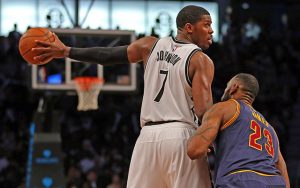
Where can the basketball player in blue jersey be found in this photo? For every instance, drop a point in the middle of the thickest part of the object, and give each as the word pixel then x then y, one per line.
pixel 177 92
pixel 247 147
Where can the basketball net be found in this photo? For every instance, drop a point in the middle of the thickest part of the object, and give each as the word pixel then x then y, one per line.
pixel 88 89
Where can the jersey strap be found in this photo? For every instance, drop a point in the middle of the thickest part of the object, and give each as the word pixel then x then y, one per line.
pixel 235 116
pixel 187 64
pixel 150 54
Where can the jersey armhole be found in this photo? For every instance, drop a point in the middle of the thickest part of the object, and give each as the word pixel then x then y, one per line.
pixel 145 65
pixel 234 117
pixel 187 65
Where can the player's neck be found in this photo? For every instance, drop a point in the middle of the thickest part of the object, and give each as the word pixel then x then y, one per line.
pixel 246 100
pixel 183 37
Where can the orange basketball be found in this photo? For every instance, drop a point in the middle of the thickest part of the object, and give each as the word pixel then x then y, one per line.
pixel 27 42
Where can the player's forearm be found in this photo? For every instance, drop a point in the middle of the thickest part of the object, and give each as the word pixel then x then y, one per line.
pixel 285 175
pixel 283 170
pixel 100 55
pixel 195 149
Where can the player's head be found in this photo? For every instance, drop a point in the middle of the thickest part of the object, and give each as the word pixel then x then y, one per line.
pixel 242 85
pixel 195 23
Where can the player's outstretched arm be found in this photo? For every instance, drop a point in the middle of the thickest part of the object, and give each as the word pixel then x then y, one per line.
pixel 135 52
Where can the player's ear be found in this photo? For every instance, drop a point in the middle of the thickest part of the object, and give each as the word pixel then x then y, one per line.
pixel 189 28
pixel 233 89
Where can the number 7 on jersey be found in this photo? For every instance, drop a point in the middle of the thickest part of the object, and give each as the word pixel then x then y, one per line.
pixel 161 91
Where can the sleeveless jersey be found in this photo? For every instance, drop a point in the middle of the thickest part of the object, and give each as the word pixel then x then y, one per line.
pixel 249 144
pixel 167 86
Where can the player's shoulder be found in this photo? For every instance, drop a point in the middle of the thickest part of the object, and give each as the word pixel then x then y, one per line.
pixel 144 45
pixel 147 42
pixel 226 108
pixel 201 55
pixel 231 103
pixel 201 59
pixel 149 39
pixel 229 110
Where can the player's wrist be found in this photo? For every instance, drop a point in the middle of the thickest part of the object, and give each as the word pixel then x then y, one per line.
pixel 67 51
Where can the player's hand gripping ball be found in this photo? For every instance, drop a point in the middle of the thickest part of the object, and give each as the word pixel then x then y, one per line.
pixel 28 41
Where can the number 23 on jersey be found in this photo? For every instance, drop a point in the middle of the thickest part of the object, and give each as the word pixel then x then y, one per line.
pixel 257 135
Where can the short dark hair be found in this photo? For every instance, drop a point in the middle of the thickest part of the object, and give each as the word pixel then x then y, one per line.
pixel 250 83
pixel 190 14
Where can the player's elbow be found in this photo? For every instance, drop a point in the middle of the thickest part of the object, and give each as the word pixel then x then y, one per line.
pixel 195 153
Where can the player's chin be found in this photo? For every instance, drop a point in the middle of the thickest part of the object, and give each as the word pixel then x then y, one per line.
pixel 205 46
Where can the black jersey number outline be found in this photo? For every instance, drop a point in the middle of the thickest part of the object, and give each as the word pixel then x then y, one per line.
pixel 161 91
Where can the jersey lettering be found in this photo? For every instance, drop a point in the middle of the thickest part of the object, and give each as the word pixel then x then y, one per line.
pixel 168 57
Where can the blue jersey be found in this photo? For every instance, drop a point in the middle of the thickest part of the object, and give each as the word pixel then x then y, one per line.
pixel 246 143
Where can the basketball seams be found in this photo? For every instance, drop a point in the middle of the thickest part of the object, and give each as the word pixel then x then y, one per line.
pixel 43 35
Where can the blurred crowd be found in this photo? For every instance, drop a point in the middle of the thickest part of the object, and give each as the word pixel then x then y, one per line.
pixel 97 145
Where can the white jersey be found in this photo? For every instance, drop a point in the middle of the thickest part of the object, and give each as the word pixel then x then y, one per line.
pixel 167 86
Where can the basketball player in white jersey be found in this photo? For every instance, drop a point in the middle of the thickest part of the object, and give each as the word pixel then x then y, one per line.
pixel 177 92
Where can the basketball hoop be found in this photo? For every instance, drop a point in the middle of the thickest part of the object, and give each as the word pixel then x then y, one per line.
pixel 88 89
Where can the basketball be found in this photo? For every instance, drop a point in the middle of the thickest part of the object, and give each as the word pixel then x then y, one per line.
pixel 27 42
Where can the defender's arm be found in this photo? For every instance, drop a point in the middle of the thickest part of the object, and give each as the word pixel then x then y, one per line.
pixel 281 166
pixel 207 132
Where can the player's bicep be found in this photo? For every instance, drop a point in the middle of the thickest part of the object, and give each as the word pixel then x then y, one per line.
pixel 202 77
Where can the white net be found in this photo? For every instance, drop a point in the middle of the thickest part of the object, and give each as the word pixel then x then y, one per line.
pixel 88 89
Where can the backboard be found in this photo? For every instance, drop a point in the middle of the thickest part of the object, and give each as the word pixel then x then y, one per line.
pixel 59 74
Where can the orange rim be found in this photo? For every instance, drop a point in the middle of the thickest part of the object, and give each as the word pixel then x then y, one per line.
pixel 85 83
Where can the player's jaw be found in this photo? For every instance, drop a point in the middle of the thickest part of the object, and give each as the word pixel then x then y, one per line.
pixel 205 42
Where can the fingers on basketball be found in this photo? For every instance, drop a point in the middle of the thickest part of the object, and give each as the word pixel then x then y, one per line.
pixel 28 41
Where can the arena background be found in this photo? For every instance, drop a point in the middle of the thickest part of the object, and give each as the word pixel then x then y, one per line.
pixel 46 142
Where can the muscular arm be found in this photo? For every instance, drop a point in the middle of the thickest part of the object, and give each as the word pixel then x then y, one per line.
pixel 207 132
pixel 135 52
pixel 201 72
pixel 282 168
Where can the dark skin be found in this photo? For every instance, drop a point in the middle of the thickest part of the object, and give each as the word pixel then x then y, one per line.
pixel 201 69
pixel 216 117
